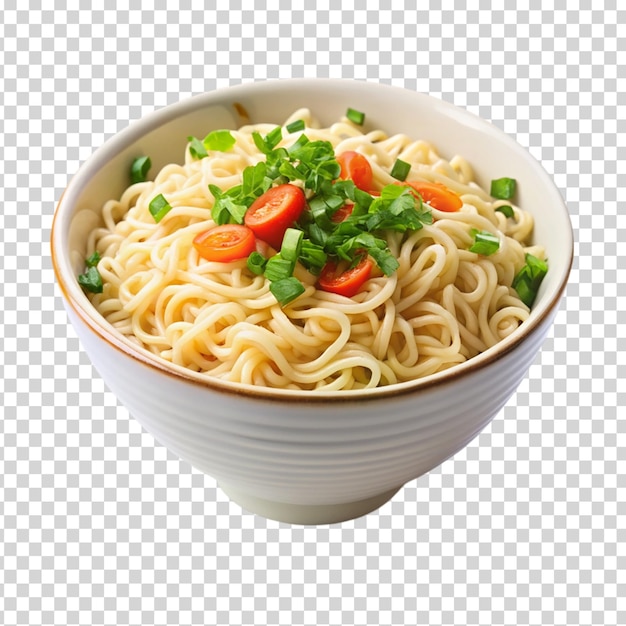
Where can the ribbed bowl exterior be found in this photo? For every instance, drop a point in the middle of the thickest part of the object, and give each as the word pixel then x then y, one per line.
pixel 317 453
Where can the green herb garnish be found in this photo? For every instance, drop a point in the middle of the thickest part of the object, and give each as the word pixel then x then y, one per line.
pixel 91 279
pixel 506 210
pixel 528 279
pixel 400 169
pixel 296 126
pixel 93 259
pixel 503 188
pixel 278 268
pixel 219 140
pixel 356 117
pixel 256 263
pixel 286 289
pixel 485 243
pixel 270 141
pixel 292 244
pixel 196 148
pixel 159 207
pixel 316 239
pixel 139 169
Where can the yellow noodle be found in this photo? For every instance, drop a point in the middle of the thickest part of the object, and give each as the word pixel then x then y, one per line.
pixel 442 306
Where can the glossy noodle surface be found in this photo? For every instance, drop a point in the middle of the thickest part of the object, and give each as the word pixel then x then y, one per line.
pixel 442 306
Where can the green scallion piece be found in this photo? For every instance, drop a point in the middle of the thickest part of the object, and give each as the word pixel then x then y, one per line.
pixel 298 144
pixel 312 256
pixel 219 140
pixel 256 263
pixel 139 169
pixel 506 210
pixel 286 290
pixel 485 243
pixel 93 259
pixel 528 279
pixel 400 169
pixel 294 127
pixel 159 207
pixel 274 137
pixel 91 280
pixel 292 244
pixel 356 117
pixel 196 148
pixel 278 268
pixel 503 188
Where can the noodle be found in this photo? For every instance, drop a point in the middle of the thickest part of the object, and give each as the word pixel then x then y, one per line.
pixel 442 306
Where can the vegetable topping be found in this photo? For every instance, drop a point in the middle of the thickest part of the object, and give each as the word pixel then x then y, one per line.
pixel 273 212
pixel 320 210
pixel 139 169
pixel 225 243
pixel 345 280
pixel 91 279
pixel 528 279
pixel 437 196
pixel 503 188
pixel 356 117
pixel 356 167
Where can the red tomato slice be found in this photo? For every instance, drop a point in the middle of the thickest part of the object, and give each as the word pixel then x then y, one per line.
pixel 342 213
pixel 347 282
pixel 356 167
pixel 437 195
pixel 272 213
pixel 225 243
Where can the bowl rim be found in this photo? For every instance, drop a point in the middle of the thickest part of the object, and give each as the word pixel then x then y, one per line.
pixel 80 305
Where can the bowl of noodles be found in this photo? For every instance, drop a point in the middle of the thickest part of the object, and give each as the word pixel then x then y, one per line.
pixel 314 291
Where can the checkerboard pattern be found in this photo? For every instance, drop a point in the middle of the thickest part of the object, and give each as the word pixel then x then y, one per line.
pixel 101 525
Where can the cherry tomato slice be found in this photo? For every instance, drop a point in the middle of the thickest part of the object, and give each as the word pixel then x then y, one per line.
pixel 356 167
pixel 438 196
pixel 272 213
pixel 342 213
pixel 225 243
pixel 347 282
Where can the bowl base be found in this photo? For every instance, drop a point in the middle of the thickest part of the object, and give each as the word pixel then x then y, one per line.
pixel 306 514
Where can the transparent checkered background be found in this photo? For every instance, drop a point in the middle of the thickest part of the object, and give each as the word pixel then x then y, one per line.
pixel 99 525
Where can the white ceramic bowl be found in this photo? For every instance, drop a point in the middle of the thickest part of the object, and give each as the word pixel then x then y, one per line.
pixel 307 457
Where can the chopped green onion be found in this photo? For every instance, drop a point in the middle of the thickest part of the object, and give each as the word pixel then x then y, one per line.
pixel 319 211
pixel 255 181
pixel 270 141
pixel 400 169
pixel 216 191
pixel 286 289
pixel 312 256
pixel 485 243
pixel 299 143
pixel 274 137
pixel 294 127
pixel 278 268
pixel 256 263
pixel 233 211
pixel 196 148
pixel 91 280
pixel 356 117
pixel 139 169
pixel 292 244
pixel 506 210
pixel 219 140
pixel 385 260
pixel 159 208
pixel 528 279
pixel 93 260
pixel 503 188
